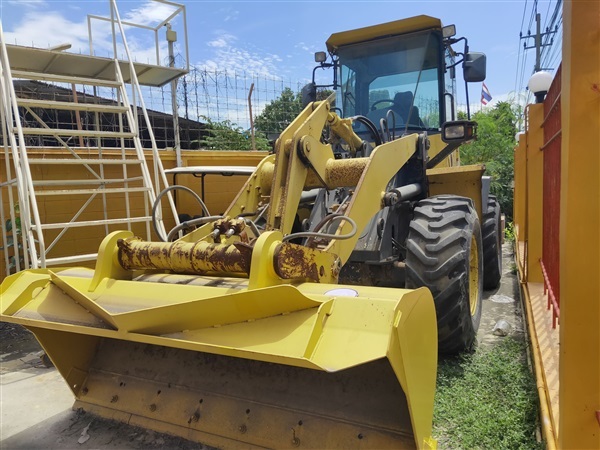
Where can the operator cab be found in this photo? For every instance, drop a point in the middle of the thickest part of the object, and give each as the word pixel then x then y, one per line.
pixel 393 82
pixel 398 75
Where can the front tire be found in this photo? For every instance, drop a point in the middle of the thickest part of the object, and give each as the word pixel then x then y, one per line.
pixel 492 245
pixel 444 254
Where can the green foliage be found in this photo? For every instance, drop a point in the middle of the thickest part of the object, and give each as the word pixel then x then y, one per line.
pixel 226 135
pixel 279 113
pixel 509 232
pixel 487 400
pixel 496 129
pixel 6 247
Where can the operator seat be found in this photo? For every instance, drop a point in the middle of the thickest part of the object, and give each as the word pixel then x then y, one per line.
pixel 401 106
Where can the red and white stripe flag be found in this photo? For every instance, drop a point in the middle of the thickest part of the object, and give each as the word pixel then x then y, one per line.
pixel 486 97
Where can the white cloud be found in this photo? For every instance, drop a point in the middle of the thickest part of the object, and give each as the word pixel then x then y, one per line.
pixel 220 42
pixel 224 40
pixel 229 57
pixel 33 30
pixel 28 3
pixel 233 59
pixel 228 14
pixel 306 47
pixel 149 13
pixel 233 15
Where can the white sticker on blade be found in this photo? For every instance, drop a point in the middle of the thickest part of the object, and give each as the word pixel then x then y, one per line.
pixel 342 292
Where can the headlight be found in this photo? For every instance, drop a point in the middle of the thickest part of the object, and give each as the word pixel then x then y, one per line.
pixel 461 130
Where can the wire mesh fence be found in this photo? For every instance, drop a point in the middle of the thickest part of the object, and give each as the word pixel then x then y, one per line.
pixel 214 109
pixel 224 101
pixel 217 110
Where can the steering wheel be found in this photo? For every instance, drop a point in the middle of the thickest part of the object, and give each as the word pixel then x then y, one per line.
pixel 389 100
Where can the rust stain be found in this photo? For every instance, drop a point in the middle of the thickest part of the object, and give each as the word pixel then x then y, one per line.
pixel 345 172
pixel 184 257
pixel 294 261
pixel 227 224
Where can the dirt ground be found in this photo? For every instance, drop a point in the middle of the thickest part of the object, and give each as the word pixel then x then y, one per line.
pixel 35 408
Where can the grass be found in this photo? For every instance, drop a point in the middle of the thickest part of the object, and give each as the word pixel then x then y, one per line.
pixel 487 400
pixel 509 232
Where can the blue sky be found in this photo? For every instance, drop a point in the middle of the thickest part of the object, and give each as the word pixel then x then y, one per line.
pixel 279 38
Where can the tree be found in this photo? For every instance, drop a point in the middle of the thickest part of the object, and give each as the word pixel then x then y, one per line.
pixel 280 112
pixel 496 129
pixel 226 135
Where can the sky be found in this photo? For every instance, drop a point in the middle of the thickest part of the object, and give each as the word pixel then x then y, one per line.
pixel 279 38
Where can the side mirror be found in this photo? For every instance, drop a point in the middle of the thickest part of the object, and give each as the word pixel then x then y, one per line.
pixel 458 131
pixel 309 94
pixel 474 67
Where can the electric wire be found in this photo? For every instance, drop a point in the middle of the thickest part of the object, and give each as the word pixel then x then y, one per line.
pixel 551 49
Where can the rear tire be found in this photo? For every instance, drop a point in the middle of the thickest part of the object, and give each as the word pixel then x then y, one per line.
pixel 444 254
pixel 492 245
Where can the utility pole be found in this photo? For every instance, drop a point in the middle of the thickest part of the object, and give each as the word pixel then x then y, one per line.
pixel 537 39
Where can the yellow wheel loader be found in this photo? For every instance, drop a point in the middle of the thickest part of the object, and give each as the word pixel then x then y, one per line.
pixel 304 316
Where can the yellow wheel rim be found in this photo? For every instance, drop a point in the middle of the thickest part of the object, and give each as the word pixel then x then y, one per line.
pixel 473 276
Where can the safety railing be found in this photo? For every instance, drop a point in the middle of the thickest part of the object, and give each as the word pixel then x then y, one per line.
pixel 178 10
pixel 12 131
pixel 537 220
pixel 550 260
pixel 23 240
pixel 160 178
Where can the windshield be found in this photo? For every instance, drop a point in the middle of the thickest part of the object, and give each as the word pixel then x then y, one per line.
pixel 396 79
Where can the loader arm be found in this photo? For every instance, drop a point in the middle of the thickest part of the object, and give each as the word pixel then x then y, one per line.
pixel 302 161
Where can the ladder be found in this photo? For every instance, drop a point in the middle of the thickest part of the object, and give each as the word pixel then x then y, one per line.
pixel 67 197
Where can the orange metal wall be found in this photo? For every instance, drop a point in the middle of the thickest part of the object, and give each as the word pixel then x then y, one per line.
pixel 557 216
pixel 580 228
pixel 219 193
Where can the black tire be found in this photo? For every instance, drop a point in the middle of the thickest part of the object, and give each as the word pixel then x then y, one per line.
pixel 442 249
pixel 491 233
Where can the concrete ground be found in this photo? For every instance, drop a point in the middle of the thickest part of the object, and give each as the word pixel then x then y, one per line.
pixel 35 402
pixel 502 304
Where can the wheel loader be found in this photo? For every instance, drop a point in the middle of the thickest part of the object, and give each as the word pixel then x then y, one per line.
pixel 310 314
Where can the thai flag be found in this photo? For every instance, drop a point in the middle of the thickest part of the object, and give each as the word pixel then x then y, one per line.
pixel 486 97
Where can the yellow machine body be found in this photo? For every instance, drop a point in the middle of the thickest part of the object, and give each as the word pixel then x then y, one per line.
pixel 240 337
pixel 236 339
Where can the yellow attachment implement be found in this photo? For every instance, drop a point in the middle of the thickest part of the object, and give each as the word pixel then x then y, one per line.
pixel 311 365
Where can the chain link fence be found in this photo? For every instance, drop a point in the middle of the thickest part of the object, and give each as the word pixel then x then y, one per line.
pixel 215 108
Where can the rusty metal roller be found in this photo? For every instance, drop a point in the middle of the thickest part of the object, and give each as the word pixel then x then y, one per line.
pixel 184 257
